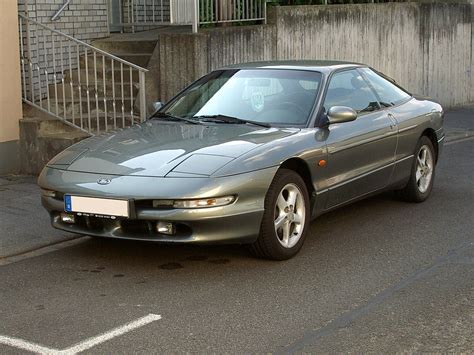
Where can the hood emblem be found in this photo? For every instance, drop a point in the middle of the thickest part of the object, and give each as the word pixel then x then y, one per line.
pixel 104 181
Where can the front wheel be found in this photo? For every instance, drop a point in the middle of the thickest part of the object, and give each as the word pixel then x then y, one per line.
pixel 422 173
pixel 286 217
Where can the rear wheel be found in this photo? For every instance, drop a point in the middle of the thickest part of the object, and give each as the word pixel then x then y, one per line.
pixel 422 173
pixel 286 217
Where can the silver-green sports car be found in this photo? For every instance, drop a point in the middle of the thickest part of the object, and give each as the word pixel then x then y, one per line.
pixel 249 154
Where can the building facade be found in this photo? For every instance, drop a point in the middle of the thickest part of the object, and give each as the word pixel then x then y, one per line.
pixel 10 87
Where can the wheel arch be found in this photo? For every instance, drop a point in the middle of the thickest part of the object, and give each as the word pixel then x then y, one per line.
pixel 431 134
pixel 299 166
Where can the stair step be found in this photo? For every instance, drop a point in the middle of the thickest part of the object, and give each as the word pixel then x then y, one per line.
pixel 41 138
pixel 74 135
pixel 68 91
pixel 92 100
pixel 100 126
pixel 70 110
pixel 108 75
pixel 47 126
pixel 130 46
pixel 140 59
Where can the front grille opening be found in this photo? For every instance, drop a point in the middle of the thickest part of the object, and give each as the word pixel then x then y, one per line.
pixel 149 228
pixel 148 204
pixel 137 227
pixel 94 224
pixel 126 227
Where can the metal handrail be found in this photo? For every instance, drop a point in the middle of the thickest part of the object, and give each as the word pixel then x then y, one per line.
pixel 61 9
pixel 191 12
pixel 79 83
pixel 219 11
pixel 98 50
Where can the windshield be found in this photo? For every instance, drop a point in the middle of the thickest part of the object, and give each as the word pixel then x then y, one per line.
pixel 279 97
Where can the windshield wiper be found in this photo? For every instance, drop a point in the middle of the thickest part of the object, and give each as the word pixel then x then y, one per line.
pixel 229 119
pixel 169 117
pixel 386 104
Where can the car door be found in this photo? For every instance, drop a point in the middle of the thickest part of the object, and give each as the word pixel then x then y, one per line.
pixel 360 153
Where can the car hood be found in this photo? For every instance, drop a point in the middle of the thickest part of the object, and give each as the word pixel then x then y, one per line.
pixel 159 148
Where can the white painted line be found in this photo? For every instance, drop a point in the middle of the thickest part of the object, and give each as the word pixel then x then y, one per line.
pixel 91 342
pixel 83 345
pixel 26 345
pixel 460 140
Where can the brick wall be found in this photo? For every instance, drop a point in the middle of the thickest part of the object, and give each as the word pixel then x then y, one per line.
pixel 83 19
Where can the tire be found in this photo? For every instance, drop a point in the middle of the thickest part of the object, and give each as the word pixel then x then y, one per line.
pixel 284 224
pixel 422 175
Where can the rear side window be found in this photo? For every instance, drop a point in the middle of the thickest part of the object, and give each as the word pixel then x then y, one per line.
pixel 348 88
pixel 389 94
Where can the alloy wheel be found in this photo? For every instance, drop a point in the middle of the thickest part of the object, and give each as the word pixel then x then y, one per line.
pixel 290 214
pixel 424 168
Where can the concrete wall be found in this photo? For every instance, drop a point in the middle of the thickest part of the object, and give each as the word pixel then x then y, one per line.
pixel 186 57
pixel 10 91
pixel 426 47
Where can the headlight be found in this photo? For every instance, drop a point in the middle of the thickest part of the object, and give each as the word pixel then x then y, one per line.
pixel 200 203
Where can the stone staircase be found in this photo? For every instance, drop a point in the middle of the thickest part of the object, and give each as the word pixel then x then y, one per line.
pixel 105 97
pixel 98 101
pixel 42 136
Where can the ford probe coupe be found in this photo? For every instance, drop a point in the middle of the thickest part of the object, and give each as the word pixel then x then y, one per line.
pixel 249 154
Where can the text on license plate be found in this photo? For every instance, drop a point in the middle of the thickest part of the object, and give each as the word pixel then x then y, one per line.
pixel 94 205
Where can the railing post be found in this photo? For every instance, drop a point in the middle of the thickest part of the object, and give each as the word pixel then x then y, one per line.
pixel 196 16
pixel 141 81
pixel 265 12
pixel 28 50
pixel 133 15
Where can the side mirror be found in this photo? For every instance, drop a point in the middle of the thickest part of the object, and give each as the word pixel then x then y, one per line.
pixel 340 114
pixel 157 105
pixel 154 107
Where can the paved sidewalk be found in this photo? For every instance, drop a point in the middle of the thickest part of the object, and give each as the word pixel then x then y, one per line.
pixel 458 123
pixel 24 223
pixel 25 226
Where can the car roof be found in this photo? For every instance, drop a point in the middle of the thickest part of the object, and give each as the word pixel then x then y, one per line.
pixel 313 65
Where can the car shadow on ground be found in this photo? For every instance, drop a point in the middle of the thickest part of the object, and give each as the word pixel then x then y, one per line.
pixel 176 256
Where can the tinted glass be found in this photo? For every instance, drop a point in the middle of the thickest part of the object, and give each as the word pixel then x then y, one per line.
pixel 264 95
pixel 389 94
pixel 348 88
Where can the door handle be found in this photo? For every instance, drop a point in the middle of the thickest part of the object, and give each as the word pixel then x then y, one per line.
pixel 393 121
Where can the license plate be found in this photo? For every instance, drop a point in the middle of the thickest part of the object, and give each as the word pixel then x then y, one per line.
pixel 97 206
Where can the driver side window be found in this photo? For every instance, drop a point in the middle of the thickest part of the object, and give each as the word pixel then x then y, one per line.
pixel 348 88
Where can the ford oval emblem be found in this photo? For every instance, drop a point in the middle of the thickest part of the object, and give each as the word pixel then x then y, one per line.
pixel 104 181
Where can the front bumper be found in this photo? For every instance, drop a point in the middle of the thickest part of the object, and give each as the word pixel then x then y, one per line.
pixel 238 222
pixel 440 136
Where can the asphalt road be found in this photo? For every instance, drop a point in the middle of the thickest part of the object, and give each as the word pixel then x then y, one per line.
pixel 378 276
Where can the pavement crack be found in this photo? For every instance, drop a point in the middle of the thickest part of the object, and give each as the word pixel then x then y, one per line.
pixel 345 320
pixel 40 250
